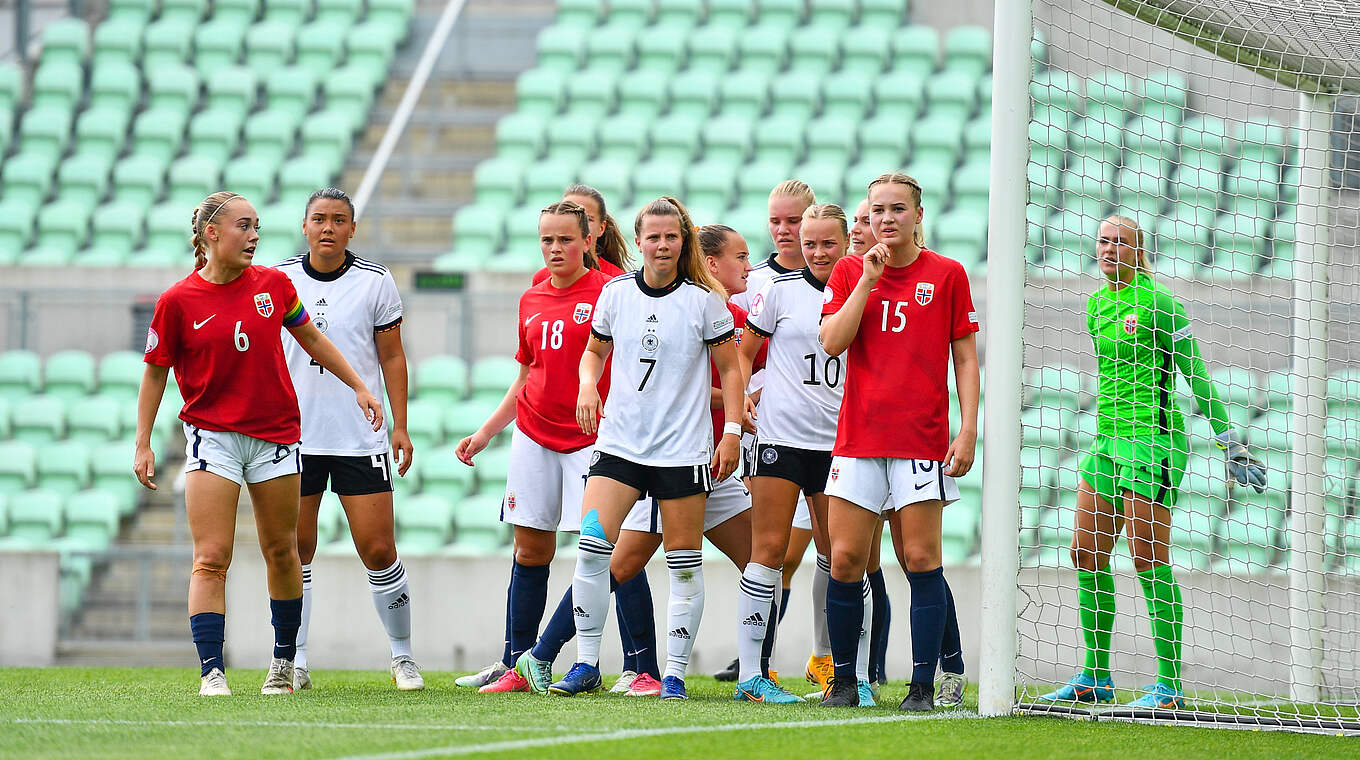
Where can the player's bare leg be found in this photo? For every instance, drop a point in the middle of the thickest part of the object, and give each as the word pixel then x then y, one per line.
pixel 210 502
pixel 275 504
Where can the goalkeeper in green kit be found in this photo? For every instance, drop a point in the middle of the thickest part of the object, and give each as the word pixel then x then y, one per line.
pixel 1129 479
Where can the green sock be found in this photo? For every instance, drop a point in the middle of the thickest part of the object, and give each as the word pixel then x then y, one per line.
pixel 1163 596
pixel 1095 597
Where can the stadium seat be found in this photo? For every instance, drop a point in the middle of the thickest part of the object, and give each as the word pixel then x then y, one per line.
pixel 62 227
pixel 785 14
pixel 480 530
pixel 45 131
pixel 115 84
pixel 64 467
pixel 813 53
pixel 712 47
pixel 571 140
pixel 270 134
pixel 952 93
pixel 92 519
pixel 94 419
pixel 888 13
pixel 214 133
pixel 19 467
pixel 846 95
pixel 694 94
pixel 745 94
pixel 270 46
pixel 101 132
pixel 423 424
pixel 1112 95
pixel 937 139
pixel 187 10
pixel 1235 256
pixel 27 178
pixel 1055 90
pixel 492 375
pixel 711 184
pixel 831 139
pixel 237 11
pixel 539 91
pixel 292 90
pixel 16 227
pixel 218 44
pixel 138 179
pixel 66 40
pixel 1260 140
pixel 755 180
pixel 491 470
pixel 478 229
pixel 591 93
pixel 544 185
pixel 159 133
pixel 499 182
pixel 968 49
pixel 395 15
pixel 1096 137
pixel 1165 96
pixel 35 518
pixel 915 49
pixel 293 12
pixel 971 185
pixel 638 95
pixel 521 233
pixel 193 178
pixel 827 180
pixel 623 138
pixel 1141 194
pixel 610 48
pixel 882 142
pixel 299 178
pixel 424 524
pixel 727 139
pixel 898 95
pixel 252 176
pixel 120 374
pixel 167 42
pixel 763 48
pixel 798 92
pixel 139 11
pixel 340 11
pixel 11 87
pixel 463 418
pixel 39 420
pixel 1253 188
pixel 167 226
pixel 865 51
pixel 445 476
pixel 1181 246
pixel 83 178
pixel 326 138
pixel 580 14
pixel 779 140
pixel 350 94
pixel 673 13
pixel 442 379
pixel 560 50
pixel 664 50
pixel 20 374
pixel 658 176
pixel 69 374
pixel 732 13
pixel 370 47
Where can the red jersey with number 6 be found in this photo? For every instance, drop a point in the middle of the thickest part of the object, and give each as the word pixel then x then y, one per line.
pixel 554 327
pixel 897 384
pixel 223 342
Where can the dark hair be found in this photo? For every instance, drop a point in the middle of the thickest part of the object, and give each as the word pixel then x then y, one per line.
pixel 330 193
pixel 203 216
pixel 572 208
pixel 611 246
pixel 712 237
pixel 689 265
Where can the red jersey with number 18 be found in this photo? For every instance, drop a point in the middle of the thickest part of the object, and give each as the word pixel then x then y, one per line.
pixel 896 400
pixel 224 344
pixel 554 327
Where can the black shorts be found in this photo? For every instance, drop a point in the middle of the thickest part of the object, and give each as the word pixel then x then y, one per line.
pixel 349 476
pixel 657 482
pixel 808 468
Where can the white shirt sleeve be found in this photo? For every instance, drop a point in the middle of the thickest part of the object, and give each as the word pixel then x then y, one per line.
pixel 764 313
pixel 718 323
pixel 602 324
pixel 387 306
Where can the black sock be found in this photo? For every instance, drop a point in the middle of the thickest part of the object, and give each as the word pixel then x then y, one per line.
pixel 784 602
pixel 509 594
pixel 928 604
pixel 634 601
pixel 287 619
pixel 771 633
pixel 951 647
pixel 209 630
pixel 878 628
pixel 844 618
pixel 528 597
pixel 560 629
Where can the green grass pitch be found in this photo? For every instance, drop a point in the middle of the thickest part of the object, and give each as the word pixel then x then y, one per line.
pixel 156 712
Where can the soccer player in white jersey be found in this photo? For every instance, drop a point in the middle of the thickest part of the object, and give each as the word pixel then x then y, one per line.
pixel 661 324
pixel 788 200
pixel 355 303
pixel 899 314
pixel 795 432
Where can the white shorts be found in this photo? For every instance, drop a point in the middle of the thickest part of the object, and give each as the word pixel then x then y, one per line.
pixel 802 514
pixel 727 500
pixel 237 457
pixel 882 484
pixel 544 488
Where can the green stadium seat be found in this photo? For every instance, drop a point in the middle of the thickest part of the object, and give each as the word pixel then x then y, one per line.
pixel 521 234
pixel 745 93
pixel 831 139
pixel 270 134
pixel 571 140
pixel 479 229
pixel 1181 246
pixel 69 375
pixel 370 48
pixel 464 418
pixel 92 519
pixel 492 375
pixel 1260 140
pixel 1141 194
pixel 118 41
pixel 887 13
pixel 712 47
pixel 827 180
pixel 293 12
pixel 675 13
pixel 581 14
pixel 167 226
pixel 968 49
pixel 64 468
pixel 561 50
pixel 540 91
pixel 232 87
pixel 193 178
pixel 349 94
pixel 39 419
pixel 480 531
pixel 1057 90
pixel 899 95
pixel 846 95
pixel 424 524
pixel 62 226
pixel 763 48
pixel 730 13
pixel 20 374
pixel 798 92
pixel 961 234
pixel 35 518
pixel 1252 188
pixel 326 139
pixel 292 90
pixel 172 88
pixel 663 52
pixel 444 475
pixel 237 11
pixel 499 181
pixel 396 15
pixel 755 180
pixel 187 10
pixel 779 140
pixel 320 47
pixel 591 93
pixel 4 434
pixel 832 17
pixel 971 185
pixel 952 93
pixel 1093 136
pixel 639 95
pixel 115 88
pixel 341 11
pixel 19 468
pixel 83 178
pixel 711 183
pixel 491 469
pixel 623 137
pixel 423 424
pixel 11 87
pixel 544 185
pixel 785 14
pixel 727 138
pixel 1343 392
pixel 167 42
pixel 915 50
pixel 937 139
pixel 281 223
pixel 120 373
pixel 16 227
pixel 813 53
pixel 977 140
pixel 694 94
pixel 252 176
pixel 66 40
pixel 218 44
pixel 610 48
pixel 214 133
pixel 299 178
pixel 1112 95
pixel 139 179
pixel 27 177
pixel 270 46
pixel 883 141
pixel 611 177
pixel 140 11
pixel 658 176
pixel 520 136
pixel 1235 255
pixel 442 379
pixel 1165 96
pixel 865 51
pixel 1152 137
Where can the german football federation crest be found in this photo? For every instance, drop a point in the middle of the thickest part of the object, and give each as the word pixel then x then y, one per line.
pixel 925 292
pixel 264 304
pixel 582 313
pixel 1130 324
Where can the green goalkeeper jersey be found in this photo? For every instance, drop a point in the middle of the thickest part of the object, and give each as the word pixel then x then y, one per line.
pixel 1142 337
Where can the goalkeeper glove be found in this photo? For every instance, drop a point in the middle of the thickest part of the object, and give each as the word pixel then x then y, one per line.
pixel 1244 468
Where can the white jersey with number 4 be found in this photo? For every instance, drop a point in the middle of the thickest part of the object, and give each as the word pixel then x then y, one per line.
pixel 803 386
pixel 657 413
pixel 349 306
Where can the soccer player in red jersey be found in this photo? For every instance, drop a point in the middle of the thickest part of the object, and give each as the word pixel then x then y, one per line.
pixel 611 249
pixel 899 314
pixel 220 328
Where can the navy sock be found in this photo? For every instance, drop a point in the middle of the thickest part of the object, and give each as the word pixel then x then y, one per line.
pixel 528 597
pixel 634 602
pixel 560 629
pixel 287 618
pixel 209 630
pixel 844 618
pixel 771 633
pixel 928 607
pixel 951 646
pixel 509 594
pixel 878 627
pixel 783 603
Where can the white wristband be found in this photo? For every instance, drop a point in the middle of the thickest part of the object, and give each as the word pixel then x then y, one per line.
pixel 732 428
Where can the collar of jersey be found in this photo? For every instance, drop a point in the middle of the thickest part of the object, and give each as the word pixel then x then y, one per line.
pixel 812 279
pixel 657 292
pixel 326 276
pixel 778 268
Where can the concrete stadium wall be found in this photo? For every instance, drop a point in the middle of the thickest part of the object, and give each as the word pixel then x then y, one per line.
pixel 28 608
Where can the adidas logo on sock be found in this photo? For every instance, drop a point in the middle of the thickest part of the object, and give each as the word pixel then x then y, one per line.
pixel 652 319
pixel 755 619
pixel 580 612
pixel 680 633
pixel 402 601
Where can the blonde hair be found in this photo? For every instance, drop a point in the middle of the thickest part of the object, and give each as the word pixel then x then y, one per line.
pixel 572 208
pixel 902 178
pixel 690 265
pixel 828 211
pixel 1129 223
pixel 794 188
pixel 203 216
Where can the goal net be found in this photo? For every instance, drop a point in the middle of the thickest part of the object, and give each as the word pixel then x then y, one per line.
pixel 1225 129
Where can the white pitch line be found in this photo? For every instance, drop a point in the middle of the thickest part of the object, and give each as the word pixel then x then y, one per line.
pixel 642 733
pixel 277 724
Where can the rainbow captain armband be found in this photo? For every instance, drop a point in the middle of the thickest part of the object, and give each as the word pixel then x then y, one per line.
pixel 296 316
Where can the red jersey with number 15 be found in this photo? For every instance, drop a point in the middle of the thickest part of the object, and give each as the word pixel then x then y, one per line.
pixel 896 400
pixel 554 327
pixel 224 342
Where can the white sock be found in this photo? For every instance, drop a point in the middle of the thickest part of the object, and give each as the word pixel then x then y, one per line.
pixel 300 659
pixel 686 608
pixel 590 595
pixel 392 600
pixel 862 656
pixel 821 637
pixel 755 599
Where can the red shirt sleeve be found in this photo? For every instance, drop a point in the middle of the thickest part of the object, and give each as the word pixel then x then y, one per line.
pixel 964 319
pixel 162 338
pixel 540 276
pixel 839 285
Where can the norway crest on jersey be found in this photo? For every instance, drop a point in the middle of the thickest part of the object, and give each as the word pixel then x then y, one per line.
pixel 264 304
pixel 1130 324
pixel 925 292
pixel 582 313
